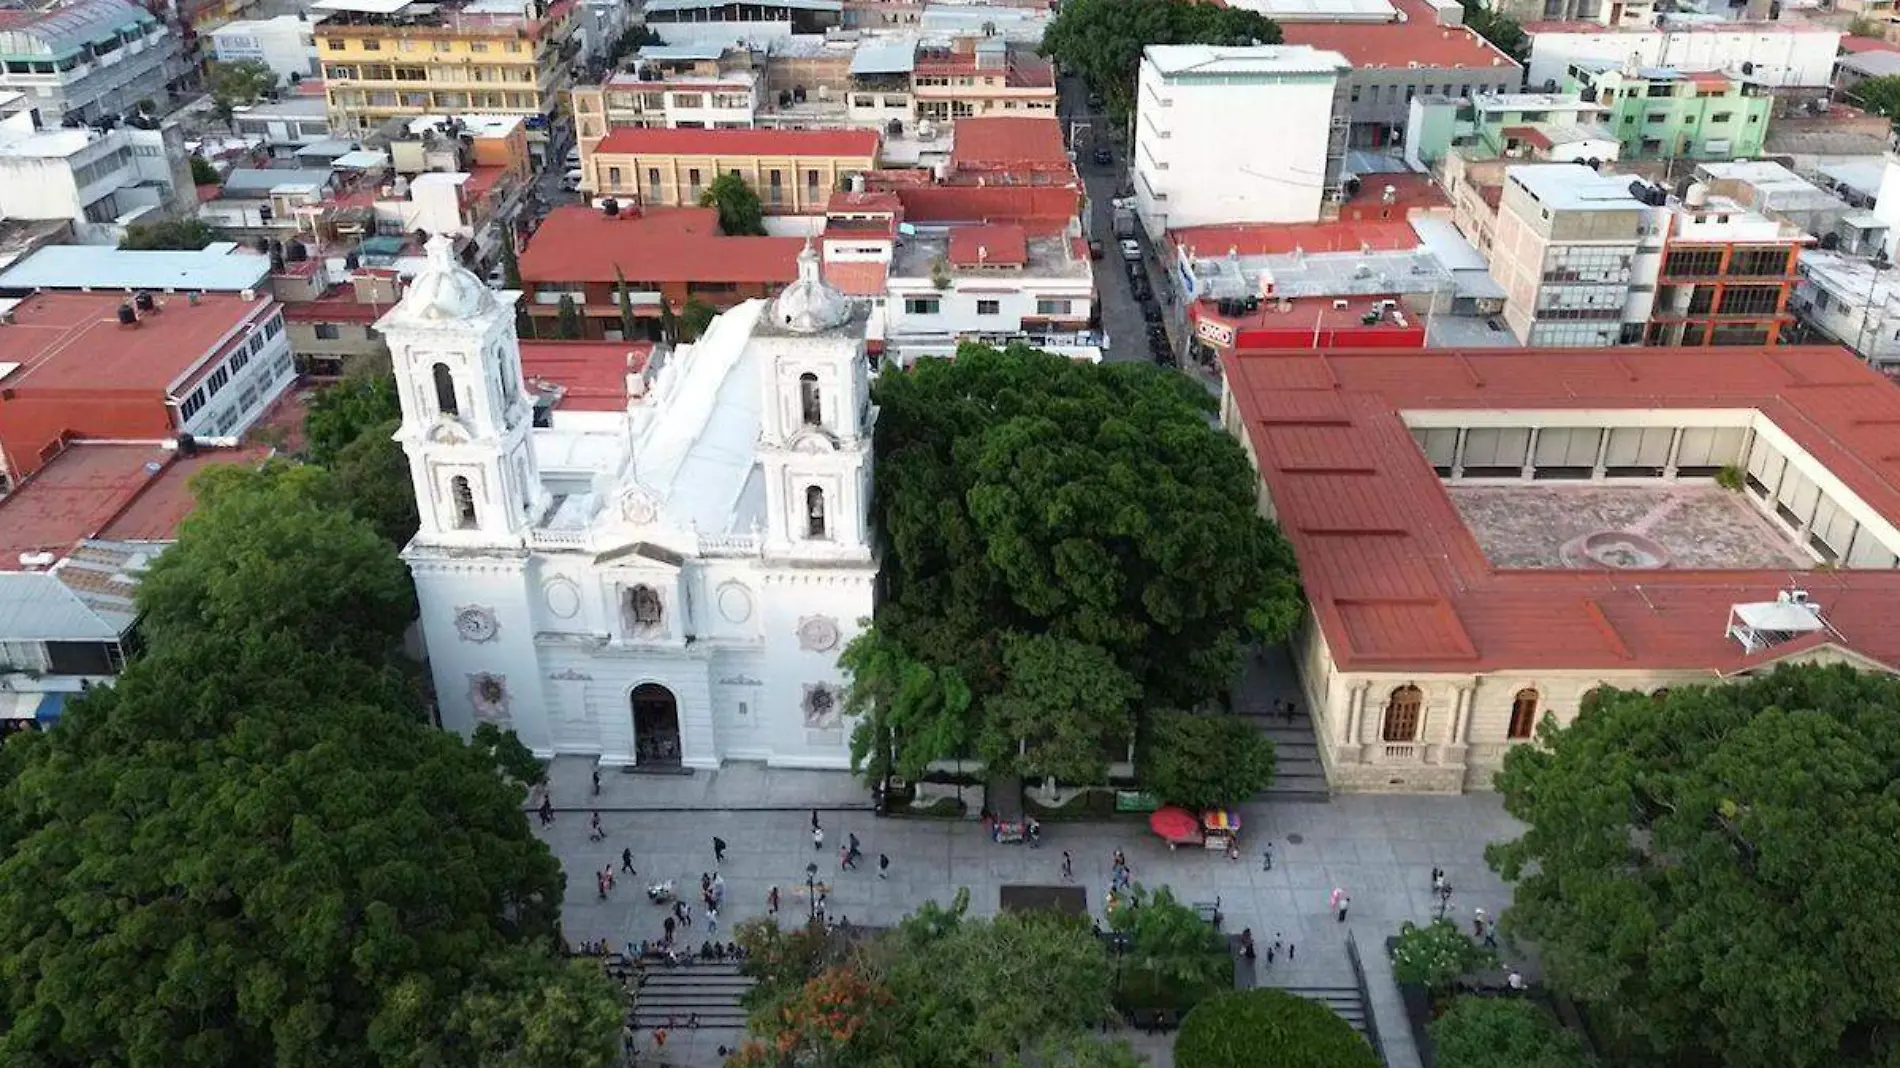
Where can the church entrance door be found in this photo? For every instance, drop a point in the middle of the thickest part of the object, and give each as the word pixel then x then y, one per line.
pixel 656 727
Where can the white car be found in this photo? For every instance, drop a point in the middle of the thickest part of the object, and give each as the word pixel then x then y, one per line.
pixel 1131 249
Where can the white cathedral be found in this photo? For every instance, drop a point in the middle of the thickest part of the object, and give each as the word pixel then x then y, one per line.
pixel 663 586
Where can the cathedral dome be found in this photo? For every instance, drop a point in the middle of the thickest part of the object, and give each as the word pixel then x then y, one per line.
pixel 810 305
pixel 444 289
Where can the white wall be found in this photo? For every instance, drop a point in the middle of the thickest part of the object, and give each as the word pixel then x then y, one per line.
pixel 1201 158
pixel 248 391
pixel 957 313
pixel 286 45
pixel 1781 57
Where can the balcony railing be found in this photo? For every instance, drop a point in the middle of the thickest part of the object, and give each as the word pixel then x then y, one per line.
pixel 1398 753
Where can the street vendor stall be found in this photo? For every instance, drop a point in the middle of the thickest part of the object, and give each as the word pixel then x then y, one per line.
pixel 1175 826
pixel 1220 828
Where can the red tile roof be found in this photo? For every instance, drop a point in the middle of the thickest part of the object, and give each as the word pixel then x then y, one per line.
pixel 1010 143
pixel 991 246
pixel 1279 239
pixel 1041 210
pixel 862 203
pixel 581 244
pixel 634 142
pixel 594 373
pixel 338 304
pixel 1858 45
pixel 1416 42
pixel 1530 135
pixel 128 491
pixel 74 341
pixel 1398 582
pixel 858 279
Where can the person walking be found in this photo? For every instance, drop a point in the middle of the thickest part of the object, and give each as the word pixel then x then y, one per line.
pixel 883 866
pixel 771 902
pixel 594 831
pixel 1068 867
pixel 712 922
pixel 814 820
pixel 817 835
pixel 1266 858
pixel 626 862
pixel 1292 710
pixel 844 858
pixel 596 782
pixel 719 850
pixel 547 809
pixel 1345 902
pixel 1477 923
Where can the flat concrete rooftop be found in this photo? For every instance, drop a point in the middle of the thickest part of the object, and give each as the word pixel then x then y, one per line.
pixel 1685 526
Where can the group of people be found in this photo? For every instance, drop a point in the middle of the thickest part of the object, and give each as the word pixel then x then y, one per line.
pixel 1279 945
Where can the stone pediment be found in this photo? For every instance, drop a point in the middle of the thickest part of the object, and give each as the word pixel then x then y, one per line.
pixel 641 552
pixel 812 440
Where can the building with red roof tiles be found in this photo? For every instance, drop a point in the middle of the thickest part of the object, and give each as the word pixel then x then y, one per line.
pixel 677 255
pixel 586 376
pixel 1041 210
pixel 1421 50
pixel 1485 536
pixel 993 282
pixel 113 366
pixel 973 77
pixel 793 171
pixel 1021 150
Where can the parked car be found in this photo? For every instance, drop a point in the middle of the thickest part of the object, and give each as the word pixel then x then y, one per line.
pixel 1095 250
pixel 1131 250
pixel 1102 157
pixel 1151 311
pixel 1140 288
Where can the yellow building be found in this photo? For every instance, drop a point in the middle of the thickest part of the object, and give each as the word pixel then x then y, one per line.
pixel 793 171
pixel 385 59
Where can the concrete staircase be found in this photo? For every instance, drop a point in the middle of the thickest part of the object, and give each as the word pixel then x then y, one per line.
pixel 669 995
pixel 1298 774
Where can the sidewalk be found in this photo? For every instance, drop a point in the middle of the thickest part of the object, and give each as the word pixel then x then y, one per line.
pixel 736 787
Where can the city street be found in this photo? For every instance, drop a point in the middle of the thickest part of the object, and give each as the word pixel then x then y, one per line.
pixel 1380 850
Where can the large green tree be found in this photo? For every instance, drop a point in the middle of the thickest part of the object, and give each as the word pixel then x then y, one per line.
pixel 1254 1028
pixel 1880 96
pixel 239 84
pixel 1713 870
pixel 1102 39
pixel 185 235
pixel 1503 1033
pixel 373 481
pixel 908 713
pixel 346 410
pixel 1435 955
pixel 740 213
pixel 1045 519
pixel 1498 28
pixel 252 850
pixel 1202 761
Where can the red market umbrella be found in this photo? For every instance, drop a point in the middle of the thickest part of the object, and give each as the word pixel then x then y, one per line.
pixel 1175 824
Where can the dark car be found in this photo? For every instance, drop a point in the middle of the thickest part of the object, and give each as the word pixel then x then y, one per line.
pixel 1102 157
pixel 1139 286
pixel 1095 250
pixel 1151 311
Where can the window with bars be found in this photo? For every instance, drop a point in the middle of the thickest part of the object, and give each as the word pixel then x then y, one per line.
pixel 1402 712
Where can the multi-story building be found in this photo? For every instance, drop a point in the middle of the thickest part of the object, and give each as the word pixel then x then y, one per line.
pixel 686 87
pixel 1531 127
pixel 1420 49
pixel 1781 55
pixel 793 171
pixel 1779 193
pixel 99 179
pixel 991 283
pixel 1577 253
pixel 125 367
pixel 284 126
pixel 331 314
pixel 1852 300
pixel 1727 274
pixel 88 59
pixel 286 44
pixel 981 76
pixel 1192 163
pixel 384 60
pixel 701 22
pixel 1665 113
pixel 674 256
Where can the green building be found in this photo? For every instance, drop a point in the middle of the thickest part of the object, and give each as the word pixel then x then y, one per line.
pixel 1533 127
pixel 1662 113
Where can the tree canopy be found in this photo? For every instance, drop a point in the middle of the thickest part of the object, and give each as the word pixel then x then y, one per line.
pixel 1503 1033
pixel 1202 761
pixel 740 213
pixel 1880 96
pixel 1436 955
pixel 253 850
pixel 938 991
pixel 1712 870
pixel 1498 28
pixel 1070 543
pixel 1250 1028
pixel 186 235
pixel 1102 39
pixel 239 84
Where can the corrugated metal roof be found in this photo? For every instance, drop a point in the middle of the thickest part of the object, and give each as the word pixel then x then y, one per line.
pixel 35 606
pixel 219 268
pixel 65 29
pixel 885 57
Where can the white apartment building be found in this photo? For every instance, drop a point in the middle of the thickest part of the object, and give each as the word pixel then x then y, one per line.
pixel 1850 300
pixel 990 283
pixel 285 44
pixel 89 58
pixel 1778 54
pixel 1200 155
pixel 100 180
pixel 1578 255
pixel 672 87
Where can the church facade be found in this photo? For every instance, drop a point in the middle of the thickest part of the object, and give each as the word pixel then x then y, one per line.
pixel 668 585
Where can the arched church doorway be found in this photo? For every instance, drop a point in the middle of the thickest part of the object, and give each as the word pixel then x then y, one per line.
pixel 656 726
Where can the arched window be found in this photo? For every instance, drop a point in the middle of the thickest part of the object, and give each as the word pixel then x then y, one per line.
pixel 1402 713
pixel 644 608
pixel 464 500
pixel 1523 714
pixel 445 391
pixel 814 512
pixel 808 404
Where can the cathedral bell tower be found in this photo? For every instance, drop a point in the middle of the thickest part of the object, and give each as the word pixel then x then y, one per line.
pixel 815 433
pixel 466 415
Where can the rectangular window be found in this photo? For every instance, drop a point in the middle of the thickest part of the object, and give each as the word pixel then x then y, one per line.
pixel 613 177
pixel 920 305
pixel 1052 307
pixel 653 183
pixel 1721 116
pixel 989 307
pixel 191 405
pixel 217 381
pixel 328 332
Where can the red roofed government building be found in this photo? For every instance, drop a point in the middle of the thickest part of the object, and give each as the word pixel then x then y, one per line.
pixel 793 171
pixel 672 254
pixel 1485 536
